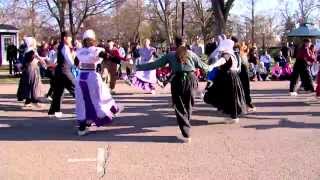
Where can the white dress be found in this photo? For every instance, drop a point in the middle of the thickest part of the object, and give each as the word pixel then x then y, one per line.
pixel 93 99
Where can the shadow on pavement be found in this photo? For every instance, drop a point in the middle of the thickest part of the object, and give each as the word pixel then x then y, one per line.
pixel 130 127
pixel 142 115
pixel 284 123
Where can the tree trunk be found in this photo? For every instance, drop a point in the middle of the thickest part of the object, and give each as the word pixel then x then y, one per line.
pixel 33 16
pixel 72 28
pixel 221 12
pixel 62 16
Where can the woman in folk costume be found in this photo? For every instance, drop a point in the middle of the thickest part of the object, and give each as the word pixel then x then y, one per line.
pixel 30 81
pixel 239 51
pixel 93 99
pixel 227 93
pixel 145 80
pixel 184 83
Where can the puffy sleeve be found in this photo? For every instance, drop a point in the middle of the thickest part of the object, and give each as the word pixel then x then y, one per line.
pixel 221 61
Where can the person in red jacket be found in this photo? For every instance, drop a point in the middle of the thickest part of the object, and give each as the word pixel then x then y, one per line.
pixel 114 58
pixel 301 68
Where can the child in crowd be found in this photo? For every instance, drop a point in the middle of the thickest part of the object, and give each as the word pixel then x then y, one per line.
pixel 262 72
pixel 286 72
pixel 252 72
pixel 276 72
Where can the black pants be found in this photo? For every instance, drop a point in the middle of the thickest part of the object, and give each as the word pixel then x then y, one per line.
pixel 128 71
pixel 300 68
pixel 29 101
pixel 63 80
pixel 50 75
pixel 244 78
pixel 182 90
pixel 11 61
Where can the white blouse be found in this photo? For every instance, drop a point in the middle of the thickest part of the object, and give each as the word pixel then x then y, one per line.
pixel 89 55
pixel 236 64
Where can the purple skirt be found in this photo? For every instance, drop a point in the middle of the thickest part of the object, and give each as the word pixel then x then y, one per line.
pixel 140 84
pixel 94 102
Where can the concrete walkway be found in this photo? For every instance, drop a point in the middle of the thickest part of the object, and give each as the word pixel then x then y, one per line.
pixel 280 141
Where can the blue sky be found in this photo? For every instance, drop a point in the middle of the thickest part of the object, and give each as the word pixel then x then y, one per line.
pixel 262 6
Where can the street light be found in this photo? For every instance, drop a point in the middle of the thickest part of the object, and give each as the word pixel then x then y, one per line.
pixel 182 16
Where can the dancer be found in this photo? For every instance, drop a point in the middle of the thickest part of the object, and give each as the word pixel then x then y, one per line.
pixel 30 81
pixel 300 68
pixel 145 80
pixel 93 99
pixel 227 93
pixel 184 83
pixel 63 76
pixel 51 68
pixel 110 65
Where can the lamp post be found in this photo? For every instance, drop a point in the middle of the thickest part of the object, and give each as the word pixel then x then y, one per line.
pixel 182 16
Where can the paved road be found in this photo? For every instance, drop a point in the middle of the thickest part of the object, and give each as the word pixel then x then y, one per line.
pixel 280 141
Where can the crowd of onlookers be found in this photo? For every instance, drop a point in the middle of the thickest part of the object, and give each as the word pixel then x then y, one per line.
pixel 261 66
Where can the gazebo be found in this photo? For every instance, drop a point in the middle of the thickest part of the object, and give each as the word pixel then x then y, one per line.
pixel 8 34
pixel 306 30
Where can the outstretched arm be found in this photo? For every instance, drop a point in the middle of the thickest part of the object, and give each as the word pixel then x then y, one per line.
pixel 153 65
pixel 199 63
pixel 218 63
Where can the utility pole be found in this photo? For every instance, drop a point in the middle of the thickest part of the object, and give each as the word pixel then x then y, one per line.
pixel 182 16
pixel 252 21
pixel 73 35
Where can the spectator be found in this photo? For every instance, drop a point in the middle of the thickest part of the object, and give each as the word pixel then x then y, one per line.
pixel 280 59
pixel 12 53
pixel 276 72
pixel 266 60
pixel 210 47
pixel 253 56
pixel 252 72
pixel 286 52
pixel 262 72
pixel 197 48
pixel 286 72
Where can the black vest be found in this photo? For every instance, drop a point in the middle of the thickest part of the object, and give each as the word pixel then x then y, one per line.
pixel 61 62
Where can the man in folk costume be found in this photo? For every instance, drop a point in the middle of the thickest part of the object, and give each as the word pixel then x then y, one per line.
pixel 111 63
pixel 184 83
pixel 301 68
pixel 63 74
pixel 93 99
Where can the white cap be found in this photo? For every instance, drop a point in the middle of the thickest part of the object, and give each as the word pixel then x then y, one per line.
pixel 90 34
pixel 226 46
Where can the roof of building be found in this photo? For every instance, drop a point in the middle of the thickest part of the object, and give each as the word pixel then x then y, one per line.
pixel 305 30
pixel 7 27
